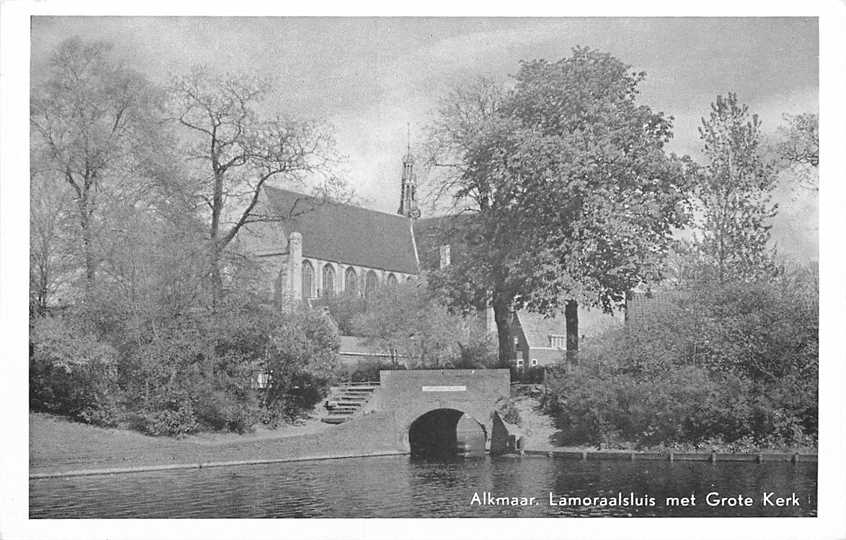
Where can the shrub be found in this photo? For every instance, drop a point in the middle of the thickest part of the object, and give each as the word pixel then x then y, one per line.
pixel 301 357
pixel 72 373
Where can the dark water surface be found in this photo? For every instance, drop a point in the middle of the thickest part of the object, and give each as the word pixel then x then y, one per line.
pixel 397 486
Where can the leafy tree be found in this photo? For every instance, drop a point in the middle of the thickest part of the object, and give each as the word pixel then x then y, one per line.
pixel 733 192
pixel 568 194
pixel 239 150
pixel 89 114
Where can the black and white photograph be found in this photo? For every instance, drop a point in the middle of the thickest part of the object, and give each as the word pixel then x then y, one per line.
pixel 421 267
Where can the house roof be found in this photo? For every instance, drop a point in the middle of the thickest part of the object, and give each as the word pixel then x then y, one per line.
pixel 345 233
pixel 538 328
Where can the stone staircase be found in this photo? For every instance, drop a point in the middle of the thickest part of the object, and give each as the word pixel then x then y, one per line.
pixel 347 400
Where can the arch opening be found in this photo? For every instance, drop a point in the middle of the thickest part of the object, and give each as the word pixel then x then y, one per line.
pixel 443 433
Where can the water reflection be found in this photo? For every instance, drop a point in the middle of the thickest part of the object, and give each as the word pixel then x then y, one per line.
pixel 402 487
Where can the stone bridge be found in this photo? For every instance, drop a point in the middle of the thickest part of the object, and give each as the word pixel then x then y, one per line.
pixel 435 411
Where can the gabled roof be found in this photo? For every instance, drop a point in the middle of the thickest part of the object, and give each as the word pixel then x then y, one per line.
pixel 538 328
pixel 345 233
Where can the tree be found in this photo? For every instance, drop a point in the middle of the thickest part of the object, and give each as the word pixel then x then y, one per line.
pixel 239 151
pixel 798 149
pixel 411 323
pixel 88 114
pixel 51 254
pixel 733 193
pixel 801 139
pixel 568 193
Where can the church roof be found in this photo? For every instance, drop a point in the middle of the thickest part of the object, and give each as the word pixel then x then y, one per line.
pixel 345 233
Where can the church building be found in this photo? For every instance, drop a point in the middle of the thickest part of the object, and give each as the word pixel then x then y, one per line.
pixel 316 247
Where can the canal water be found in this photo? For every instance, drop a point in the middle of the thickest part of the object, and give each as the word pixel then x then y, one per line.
pixel 398 486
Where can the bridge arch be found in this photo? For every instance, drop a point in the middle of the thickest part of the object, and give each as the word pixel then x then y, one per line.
pixel 446 431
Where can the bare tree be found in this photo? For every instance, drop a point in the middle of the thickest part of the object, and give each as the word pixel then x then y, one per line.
pixel 238 151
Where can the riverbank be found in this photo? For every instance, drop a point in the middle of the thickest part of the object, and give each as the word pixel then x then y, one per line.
pixel 57 445
pixel 541 436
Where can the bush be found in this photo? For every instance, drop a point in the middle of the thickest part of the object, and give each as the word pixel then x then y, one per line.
pixel 72 373
pixel 731 363
pixel 198 373
pixel 301 357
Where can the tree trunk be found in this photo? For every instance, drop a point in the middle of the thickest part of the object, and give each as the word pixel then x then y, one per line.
pixel 571 319
pixel 216 278
pixel 502 317
pixel 87 245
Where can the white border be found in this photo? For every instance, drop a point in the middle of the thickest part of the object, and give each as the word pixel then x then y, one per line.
pixel 14 76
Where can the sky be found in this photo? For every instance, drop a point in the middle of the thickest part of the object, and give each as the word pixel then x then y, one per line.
pixel 370 78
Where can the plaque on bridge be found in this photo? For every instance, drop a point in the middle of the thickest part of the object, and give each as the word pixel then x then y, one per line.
pixel 445 388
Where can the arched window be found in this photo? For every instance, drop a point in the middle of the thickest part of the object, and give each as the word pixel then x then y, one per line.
pixel 392 280
pixel 328 280
pixel 371 282
pixel 308 280
pixel 350 281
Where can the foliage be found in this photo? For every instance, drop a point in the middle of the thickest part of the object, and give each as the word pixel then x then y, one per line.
pixel 411 322
pixel 566 192
pixel 733 193
pixel 343 309
pixel 71 373
pixel 715 362
pixel 301 358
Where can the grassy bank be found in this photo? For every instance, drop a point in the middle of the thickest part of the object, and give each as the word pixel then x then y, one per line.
pixel 57 444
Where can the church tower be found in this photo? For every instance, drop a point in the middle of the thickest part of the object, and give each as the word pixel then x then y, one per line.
pixel 408 191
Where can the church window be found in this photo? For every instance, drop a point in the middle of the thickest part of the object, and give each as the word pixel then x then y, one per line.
pixel 328 280
pixel 308 280
pixel 350 281
pixel 392 280
pixel 370 284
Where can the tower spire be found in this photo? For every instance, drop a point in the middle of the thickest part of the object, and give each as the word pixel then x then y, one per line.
pixel 408 191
